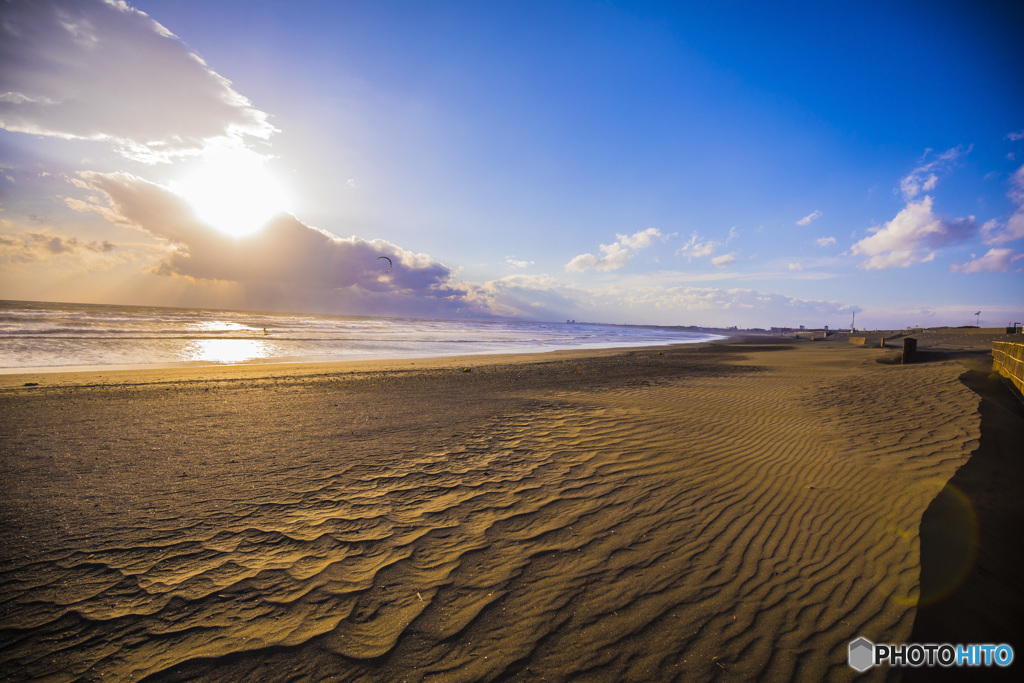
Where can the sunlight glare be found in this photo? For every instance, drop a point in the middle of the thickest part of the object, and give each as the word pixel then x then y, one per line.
pixel 233 190
pixel 227 350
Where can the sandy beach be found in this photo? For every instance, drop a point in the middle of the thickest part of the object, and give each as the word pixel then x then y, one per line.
pixel 715 511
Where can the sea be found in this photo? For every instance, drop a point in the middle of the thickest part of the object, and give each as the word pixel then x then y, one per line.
pixel 40 336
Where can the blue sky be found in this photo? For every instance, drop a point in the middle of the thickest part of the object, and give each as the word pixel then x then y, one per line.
pixel 730 163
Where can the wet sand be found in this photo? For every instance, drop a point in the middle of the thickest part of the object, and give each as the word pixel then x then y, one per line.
pixel 724 511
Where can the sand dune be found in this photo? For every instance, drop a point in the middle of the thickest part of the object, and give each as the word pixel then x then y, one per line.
pixel 641 516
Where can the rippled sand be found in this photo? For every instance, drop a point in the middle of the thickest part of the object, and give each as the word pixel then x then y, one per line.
pixel 731 512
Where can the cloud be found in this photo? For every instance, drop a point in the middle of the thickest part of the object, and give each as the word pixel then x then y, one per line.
pixel 925 177
pixel 287 264
pixel 698 248
pixel 95 70
pixel 806 220
pixel 1015 136
pixel 724 260
pixel 541 296
pixel 35 246
pixel 742 306
pixel 532 296
pixel 517 263
pixel 912 185
pixel 825 241
pixel 994 261
pixel 616 254
pixel 795 266
pixel 911 236
pixel 995 233
pixel 639 240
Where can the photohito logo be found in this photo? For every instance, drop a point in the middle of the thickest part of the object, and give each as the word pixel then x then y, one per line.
pixel 864 654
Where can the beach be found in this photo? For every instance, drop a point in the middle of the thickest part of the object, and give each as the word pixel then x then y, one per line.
pixel 705 511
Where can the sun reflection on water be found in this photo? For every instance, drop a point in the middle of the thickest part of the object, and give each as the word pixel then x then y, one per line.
pixel 227 350
pixel 220 326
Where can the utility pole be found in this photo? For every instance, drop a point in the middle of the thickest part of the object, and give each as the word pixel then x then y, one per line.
pixel 978 318
pixel 853 320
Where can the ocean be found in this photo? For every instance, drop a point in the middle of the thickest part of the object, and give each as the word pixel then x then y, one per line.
pixel 60 336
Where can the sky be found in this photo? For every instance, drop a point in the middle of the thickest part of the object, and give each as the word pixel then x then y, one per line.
pixel 674 163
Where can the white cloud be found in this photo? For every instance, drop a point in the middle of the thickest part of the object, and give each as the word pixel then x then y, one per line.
pixel 994 233
pixel 698 248
pixel 724 260
pixel 995 261
pixel 825 241
pixel 614 255
pixel 639 240
pixel 809 218
pixel 1015 136
pixel 912 185
pixel 94 70
pixel 925 177
pixel 517 263
pixel 911 237
pixel 795 266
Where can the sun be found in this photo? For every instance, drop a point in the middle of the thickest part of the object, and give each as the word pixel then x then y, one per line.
pixel 233 190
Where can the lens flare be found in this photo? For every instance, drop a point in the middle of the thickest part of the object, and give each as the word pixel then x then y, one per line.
pixel 949 541
pixel 946 543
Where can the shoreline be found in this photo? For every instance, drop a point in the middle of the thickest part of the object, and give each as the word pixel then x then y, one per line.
pixel 148 373
pixel 749 505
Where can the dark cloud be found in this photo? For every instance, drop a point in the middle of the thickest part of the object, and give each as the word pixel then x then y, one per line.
pixel 27 247
pixel 98 70
pixel 68 245
pixel 287 264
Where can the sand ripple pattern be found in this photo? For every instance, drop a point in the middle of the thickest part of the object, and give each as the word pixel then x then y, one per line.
pixel 703 528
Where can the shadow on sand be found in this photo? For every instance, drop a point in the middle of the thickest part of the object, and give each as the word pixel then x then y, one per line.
pixel 972 545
